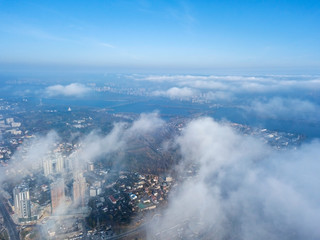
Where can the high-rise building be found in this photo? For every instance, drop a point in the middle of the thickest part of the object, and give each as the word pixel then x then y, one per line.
pixel 22 204
pixel 54 163
pixel 57 190
pixel 59 166
pixel 94 191
pixel 90 166
pixel 47 166
pixel 80 191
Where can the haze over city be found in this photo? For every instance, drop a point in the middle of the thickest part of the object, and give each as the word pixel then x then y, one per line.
pixel 159 120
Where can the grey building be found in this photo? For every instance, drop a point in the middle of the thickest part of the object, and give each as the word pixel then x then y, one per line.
pixel 22 204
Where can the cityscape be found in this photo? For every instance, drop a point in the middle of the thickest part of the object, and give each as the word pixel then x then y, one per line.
pixel 159 120
pixel 61 195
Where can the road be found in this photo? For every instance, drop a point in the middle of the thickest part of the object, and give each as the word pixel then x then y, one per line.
pixel 128 233
pixel 10 225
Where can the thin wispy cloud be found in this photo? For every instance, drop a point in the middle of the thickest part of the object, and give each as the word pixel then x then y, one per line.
pixel 30 30
pixel 238 84
pixel 169 78
pixel 218 95
pixel 286 108
pixel 182 14
pixel 175 92
pixel 108 45
pixel 73 89
pixel 29 157
pixel 202 84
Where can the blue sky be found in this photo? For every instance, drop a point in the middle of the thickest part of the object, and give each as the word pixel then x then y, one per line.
pixel 161 34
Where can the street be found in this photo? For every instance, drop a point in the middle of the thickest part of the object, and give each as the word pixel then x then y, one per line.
pixel 10 225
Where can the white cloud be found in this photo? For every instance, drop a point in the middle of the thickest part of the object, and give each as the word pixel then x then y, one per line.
pixel 239 84
pixel 286 108
pixel 30 155
pixel 146 123
pixel 218 95
pixel 205 84
pixel 95 145
pixel 92 146
pixel 175 78
pixel 243 189
pixel 108 45
pixel 175 92
pixel 73 89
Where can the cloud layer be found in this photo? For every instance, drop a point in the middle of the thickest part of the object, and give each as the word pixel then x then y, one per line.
pixel 286 108
pixel 29 157
pixel 242 189
pixel 95 145
pixel 239 84
pixel 72 90
pixel 177 93
pixel 90 147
